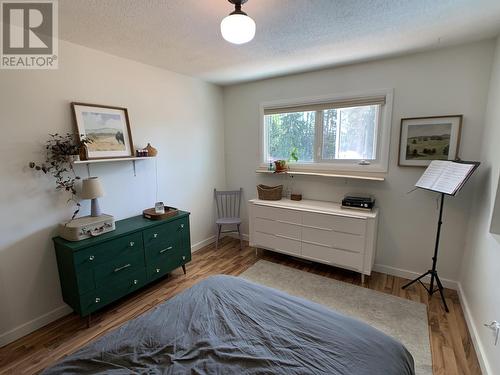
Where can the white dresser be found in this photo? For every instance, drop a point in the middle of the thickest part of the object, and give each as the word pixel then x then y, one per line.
pixel 320 231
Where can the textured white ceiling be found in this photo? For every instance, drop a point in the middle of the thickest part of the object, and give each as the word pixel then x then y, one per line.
pixel 292 35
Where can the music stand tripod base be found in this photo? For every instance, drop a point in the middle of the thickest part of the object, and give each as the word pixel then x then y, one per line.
pixel 433 272
pixel 430 291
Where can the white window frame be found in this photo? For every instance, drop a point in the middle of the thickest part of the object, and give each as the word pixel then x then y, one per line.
pixel 383 135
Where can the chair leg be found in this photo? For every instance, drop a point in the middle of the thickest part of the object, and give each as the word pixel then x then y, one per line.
pixel 217 235
pixel 241 240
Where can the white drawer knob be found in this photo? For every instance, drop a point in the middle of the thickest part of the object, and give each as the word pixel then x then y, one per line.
pixel 136 282
pixel 183 257
pixel 97 300
pixel 157 270
pixel 155 235
pixel 132 243
pixel 91 258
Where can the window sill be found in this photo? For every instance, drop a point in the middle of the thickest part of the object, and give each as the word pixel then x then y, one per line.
pixel 351 175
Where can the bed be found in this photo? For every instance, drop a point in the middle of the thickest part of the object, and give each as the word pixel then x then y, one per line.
pixel 227 325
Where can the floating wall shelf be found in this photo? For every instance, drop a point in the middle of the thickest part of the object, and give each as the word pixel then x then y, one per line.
pixel 112 160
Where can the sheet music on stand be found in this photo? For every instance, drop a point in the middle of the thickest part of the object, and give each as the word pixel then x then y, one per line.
pixel 445 176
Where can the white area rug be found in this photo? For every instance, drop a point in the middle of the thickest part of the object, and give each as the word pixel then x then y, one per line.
pixel 397 317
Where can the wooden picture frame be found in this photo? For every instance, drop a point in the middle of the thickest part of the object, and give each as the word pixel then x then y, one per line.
pixel 423 139
pixel 107 126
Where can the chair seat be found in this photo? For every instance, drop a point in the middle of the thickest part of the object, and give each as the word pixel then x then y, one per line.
pixel 228 220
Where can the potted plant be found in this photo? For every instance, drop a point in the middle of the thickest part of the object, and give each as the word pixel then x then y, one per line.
pixel 280 166
pixel 61 151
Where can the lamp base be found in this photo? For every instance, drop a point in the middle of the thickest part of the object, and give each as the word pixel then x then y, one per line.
pixel 95 210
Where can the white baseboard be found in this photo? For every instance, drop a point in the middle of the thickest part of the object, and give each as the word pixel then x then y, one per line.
pixel 200 245
pixel 447 283
pixel 483 362
pixel 235 235
pixel 33 325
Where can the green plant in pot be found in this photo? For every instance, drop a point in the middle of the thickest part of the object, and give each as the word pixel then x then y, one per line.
pixel 60 151
pixel 280 166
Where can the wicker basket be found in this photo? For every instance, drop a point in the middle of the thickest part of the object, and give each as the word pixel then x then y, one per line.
pixel 270 193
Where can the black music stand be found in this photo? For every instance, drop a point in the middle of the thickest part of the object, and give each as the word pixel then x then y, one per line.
pixel 451 188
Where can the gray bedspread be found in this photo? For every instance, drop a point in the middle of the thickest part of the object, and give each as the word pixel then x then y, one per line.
pixel 227 325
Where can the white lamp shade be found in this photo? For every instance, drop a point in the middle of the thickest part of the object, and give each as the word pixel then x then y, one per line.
pixel 91 188
pixel 237 28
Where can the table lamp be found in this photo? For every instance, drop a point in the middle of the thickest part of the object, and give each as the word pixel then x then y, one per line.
pixel 92 189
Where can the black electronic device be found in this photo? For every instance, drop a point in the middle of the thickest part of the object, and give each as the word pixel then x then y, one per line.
pixel 358 202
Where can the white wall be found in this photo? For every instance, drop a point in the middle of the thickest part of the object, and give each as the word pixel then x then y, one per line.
pixel 449 81
pixel 481 263
pixel 179 115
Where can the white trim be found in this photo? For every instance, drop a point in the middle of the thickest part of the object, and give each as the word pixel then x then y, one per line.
pixel 407 274
pixel 34 324
pixel 201 244
pixel 481 357
pixel 244 236
pixel 383 133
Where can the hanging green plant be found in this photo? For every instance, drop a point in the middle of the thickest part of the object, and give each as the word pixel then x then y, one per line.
pixel 59 156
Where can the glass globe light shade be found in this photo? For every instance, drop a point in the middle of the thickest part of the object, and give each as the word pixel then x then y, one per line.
pixel 237 28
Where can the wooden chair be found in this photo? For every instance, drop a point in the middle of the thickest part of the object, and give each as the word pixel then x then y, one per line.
pixel 228 205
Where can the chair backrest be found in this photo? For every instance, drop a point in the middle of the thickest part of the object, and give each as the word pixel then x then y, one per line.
pixel 228 203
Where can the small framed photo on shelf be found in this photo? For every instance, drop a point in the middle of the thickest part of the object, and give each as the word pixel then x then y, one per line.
pixel 107 127
pixel 424 139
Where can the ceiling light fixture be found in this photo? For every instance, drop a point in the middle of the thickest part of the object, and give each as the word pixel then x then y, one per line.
pixel 237 28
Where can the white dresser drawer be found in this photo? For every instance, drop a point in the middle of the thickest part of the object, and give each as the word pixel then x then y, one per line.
pixel 330 238
pixel 277 243
pixel 342 224
pixel 278 214
pixel 277 228
pixel 353 261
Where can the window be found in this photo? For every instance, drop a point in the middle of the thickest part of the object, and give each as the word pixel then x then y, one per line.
pixel 346 133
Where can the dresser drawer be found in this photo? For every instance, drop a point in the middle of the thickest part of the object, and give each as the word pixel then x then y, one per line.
pixel 119 268
pixel 342 224
pixel 98 298
pixel 346 259
pixel 278 243
pixel 161 266
pixel 156 252
pixel 277 228
pixel 330 238
pixel 89 258
pixel 278 214
pixel 163 236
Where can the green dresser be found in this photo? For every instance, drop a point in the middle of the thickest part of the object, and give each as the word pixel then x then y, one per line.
pixel 97 271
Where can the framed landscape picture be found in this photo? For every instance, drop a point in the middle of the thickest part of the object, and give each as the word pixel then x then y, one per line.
pixel 424 139
pixel 107 127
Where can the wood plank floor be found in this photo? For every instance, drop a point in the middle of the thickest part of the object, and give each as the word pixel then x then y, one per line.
pixel 452 350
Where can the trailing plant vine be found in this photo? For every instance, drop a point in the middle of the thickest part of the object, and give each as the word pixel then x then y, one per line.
pixel 59 149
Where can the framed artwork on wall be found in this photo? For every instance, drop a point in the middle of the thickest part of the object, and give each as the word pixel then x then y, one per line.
pixel 423 139
pixel 107 127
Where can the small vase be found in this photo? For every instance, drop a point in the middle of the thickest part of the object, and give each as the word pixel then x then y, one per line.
pixel 83 152
pixel 151 150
